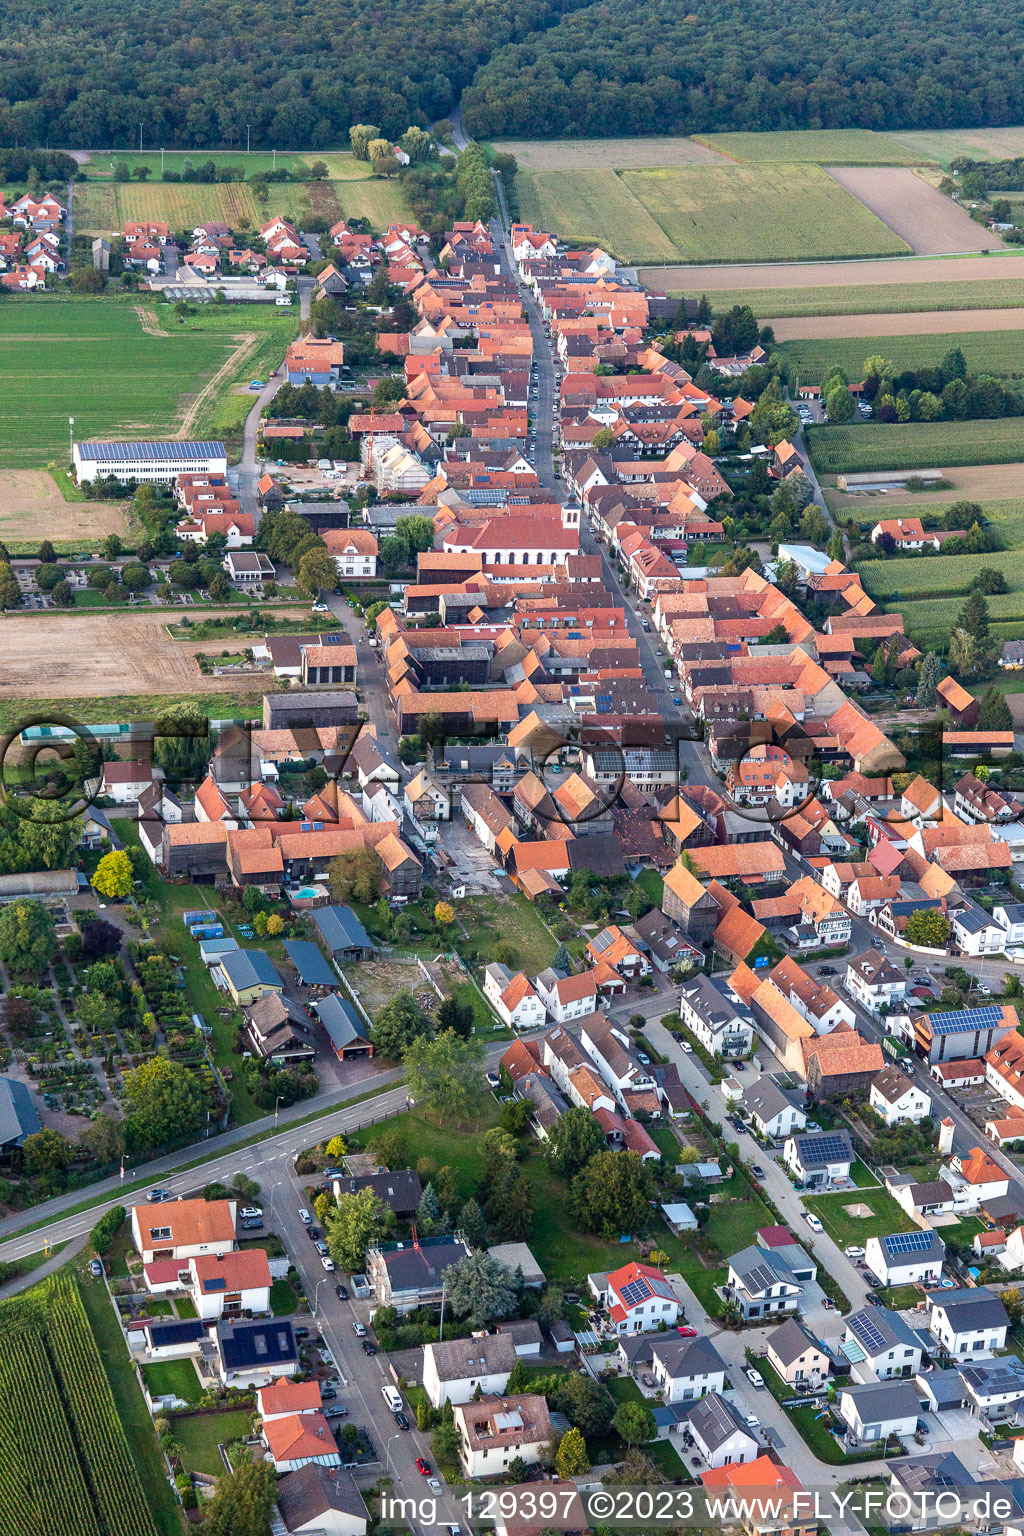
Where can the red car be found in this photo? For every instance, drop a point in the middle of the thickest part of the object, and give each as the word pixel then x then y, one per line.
pixel 424 1466
pixel 687 1333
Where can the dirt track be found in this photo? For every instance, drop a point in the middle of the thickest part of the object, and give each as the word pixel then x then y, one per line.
pixel 978 482
pixel 925 218
pixel 926 322
pixel 62 656
pixel 831 274
pixel 31 507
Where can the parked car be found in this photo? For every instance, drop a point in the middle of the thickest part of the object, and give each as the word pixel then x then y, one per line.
pixel 687 1048
pixel 686 1331
pixel 401 1421
pixel 341 1292
pixel 813 1222
pixel 359 1329
pixel 755 1378
pixel 826 970
pixel 423 1466
pixel 320 1246
pixel 302 1333
pixel 328 1263
pixel 250 1213
pixel 433 1484
pixel 757 1170
pixel 96 1269
pixel 873 1300
pixel 853 1252
pixel 368 1348
pixel 305 1217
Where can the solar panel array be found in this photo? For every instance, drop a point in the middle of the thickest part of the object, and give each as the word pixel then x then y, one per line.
pixel 868 1333
pixel 967 1020
pixel 909 1242
pixel 826 1147
pixel 150 452
pixel 636 1291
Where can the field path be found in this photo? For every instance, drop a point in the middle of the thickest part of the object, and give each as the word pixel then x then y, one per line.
pixel 925 322
pixel 925 218
pixel 246 345
pixel 830 274
pixel 148 320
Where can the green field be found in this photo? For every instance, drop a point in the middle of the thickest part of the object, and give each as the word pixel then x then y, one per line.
pixel 707 213
pixel 102 207
pixel 916 445
pixel 951 575
pixel 886 1215
pixel 177 1378
pixel 342 165
pixel 91 359
pixel 992 352
pixel 593 206
pixel 823 146
pixel 946 144
pixel 870 298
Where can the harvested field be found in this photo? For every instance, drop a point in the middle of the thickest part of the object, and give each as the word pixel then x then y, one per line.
pixel 100 208
pixel 873 299
pixel 974 482
pixel 63 656
pixel 606 154
pixel 791 212
pixel 933 322
pixel 32 507
pixel 381 202
pixel 825 146
pixel 837 274
pixel 929 222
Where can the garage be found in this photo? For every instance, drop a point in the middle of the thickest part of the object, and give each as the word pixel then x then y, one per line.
pixel 347 1030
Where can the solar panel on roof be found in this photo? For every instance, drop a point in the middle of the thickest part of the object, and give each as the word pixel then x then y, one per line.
pixel 636 1291
pixel 216 1283
pixel 827 1147
pixel 908 1242
pixel 868 1333
pixel 959 1023
pixel 150 451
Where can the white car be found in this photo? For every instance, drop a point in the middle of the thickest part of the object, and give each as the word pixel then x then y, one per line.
pixel 813 1222
pixel 359 1329
pixel 433 1485
pixel 853 1252
pixel 687 1047
pixel 752 1421
pixel 328 1263
pixel 754 1377
pixel 305 1217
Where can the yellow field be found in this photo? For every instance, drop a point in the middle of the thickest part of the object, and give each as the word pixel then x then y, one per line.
pixel 823 146
pixel 594 206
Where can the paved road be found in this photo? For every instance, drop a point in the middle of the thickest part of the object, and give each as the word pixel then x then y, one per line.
pixel 248 469
pixel 306 286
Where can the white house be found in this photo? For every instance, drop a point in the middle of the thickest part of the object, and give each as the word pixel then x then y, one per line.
pixel 720 1434
pixel 493 1431
pixel 903 1258
pixel 354 550
pixel 711 1016
pixel 879 1409
pixel 225 1284
pixel 880 1341
pixel 183 1229
pixel 820 1158
pixel 1011 919
pixel 638 1298
pixel 897 1099
pixel 457 1368
pixel 686 1369
pixel 611 1051
pixel 761 1282
pixel 975 932
pixel 875 983
pixel 567 997
pixel 147 462
pixel 772 1112
pixel 995 1388
pixel 299 1440
pixel 425 800
pixel 974 1179
pixel 967 1323
pixel 125 782
pixel 513 997
pixel 796 1355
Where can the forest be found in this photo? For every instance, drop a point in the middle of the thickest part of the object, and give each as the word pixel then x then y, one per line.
pixel 197 73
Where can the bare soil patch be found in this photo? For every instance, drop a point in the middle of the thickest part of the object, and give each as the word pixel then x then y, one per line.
pixel 930 223
pixel 827 274
pixel 64 656
pixel 976 482
pixel 858 1210
pixel 934 322
pixel 31 507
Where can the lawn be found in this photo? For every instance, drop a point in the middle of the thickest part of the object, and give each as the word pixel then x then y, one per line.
pixel 515 919
pixel 991 352
pixel 823 146
pixel 199 1436
pixel 763 213
pixel 131 1409
pixel 283 1300
pixel 177 1377
pixel 93 360
pixel 423 1139
pixel 652 885
pixel 916 445
pixel 872 298
pixel 886 1215
pixel 341 164
pixel 808 1421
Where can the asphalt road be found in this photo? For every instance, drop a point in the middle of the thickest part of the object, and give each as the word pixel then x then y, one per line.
pixel 248 469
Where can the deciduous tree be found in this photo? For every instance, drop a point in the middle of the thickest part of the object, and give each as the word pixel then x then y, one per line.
pixel 113 876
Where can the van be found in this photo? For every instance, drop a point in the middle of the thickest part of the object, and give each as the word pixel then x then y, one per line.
pixel 391 1396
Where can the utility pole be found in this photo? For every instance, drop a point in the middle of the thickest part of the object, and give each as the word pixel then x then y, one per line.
pixel 140 138
pixel 71 439
pixel 247 132
pixel 161 162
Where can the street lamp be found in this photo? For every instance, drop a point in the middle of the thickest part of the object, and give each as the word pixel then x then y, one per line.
pixel 316 1293
pixel 277 1108
pixel 123 1155
pixel 387 1450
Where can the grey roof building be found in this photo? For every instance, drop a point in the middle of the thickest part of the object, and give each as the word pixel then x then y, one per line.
pixel 713 1422
pixel 319 1498
pixel 456 1359
pixel 791 1339
pixel 348 1030
pixel 342 932
pixel 18 1117
pixel 881 1337
pixel 246 968
pixel 686 1357
pixel 399 1191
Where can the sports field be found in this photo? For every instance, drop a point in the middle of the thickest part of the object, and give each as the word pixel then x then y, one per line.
pixel 916 445
pixel 995 352
pixel 707 213
pixel 94 360
pixel 825 146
